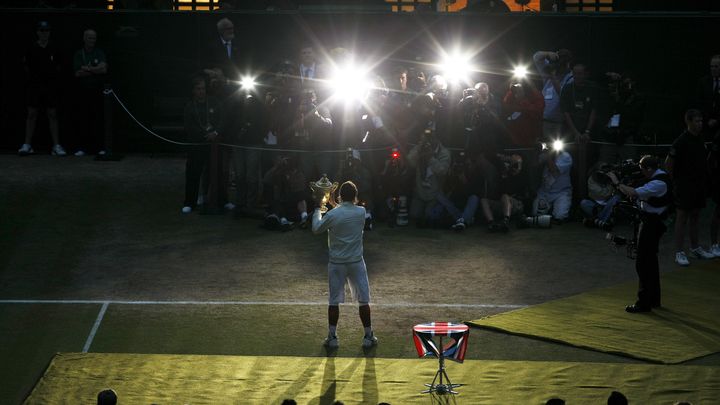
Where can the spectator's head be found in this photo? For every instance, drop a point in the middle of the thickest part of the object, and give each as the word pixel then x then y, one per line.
pixel 648 165
pixel 307 55
pixel 289 402
pixel 579 74
pixel 483 93
pixel 43 31
pixel 694 121
pixel 555 401
pixel 617 398
pixel 226 29
pixel 89 39
pixel 348 192
pixel 107 397
pixel 399 78
pixel 199 91
pixel 715 66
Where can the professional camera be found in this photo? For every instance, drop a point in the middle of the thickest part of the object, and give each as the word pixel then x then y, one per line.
pixel 632 212
pixel 511 164
pixel 628 172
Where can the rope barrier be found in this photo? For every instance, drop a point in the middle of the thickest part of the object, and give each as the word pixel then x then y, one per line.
pixel 260 148
pixel 111 91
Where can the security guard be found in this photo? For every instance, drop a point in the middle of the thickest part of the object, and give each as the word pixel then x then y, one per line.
pixel 654 202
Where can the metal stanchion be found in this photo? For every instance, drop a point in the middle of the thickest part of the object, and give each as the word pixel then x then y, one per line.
pixel 110 154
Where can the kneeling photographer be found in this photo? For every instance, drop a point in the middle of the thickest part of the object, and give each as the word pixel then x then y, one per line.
pixel 654 201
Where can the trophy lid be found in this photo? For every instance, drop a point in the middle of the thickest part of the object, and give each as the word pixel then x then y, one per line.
pixel 324 182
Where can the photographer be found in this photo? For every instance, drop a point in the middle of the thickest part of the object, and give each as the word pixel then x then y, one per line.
pixel 285 191
pixel 201 118
pixel 394 186
pixel 513 189
pixel 654 197
pixel 312 133
pixel 431 162
pixel 554 68
pixel 598 208
pixel 461 190
pixel 624 118
pixel 555 193
pixel 352 169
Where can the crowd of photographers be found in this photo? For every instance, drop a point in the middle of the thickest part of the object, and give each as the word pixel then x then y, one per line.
pixel 420 147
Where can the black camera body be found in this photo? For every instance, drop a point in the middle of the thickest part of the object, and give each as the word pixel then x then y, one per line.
pixel 628 172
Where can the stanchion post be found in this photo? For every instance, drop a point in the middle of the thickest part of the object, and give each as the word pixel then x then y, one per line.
pixel 108 141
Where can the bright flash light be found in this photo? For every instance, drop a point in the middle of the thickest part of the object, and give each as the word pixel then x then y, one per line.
pixel 350 83
pixel 520 72
pixel 456 68
pixel 247 83
pixel 558 145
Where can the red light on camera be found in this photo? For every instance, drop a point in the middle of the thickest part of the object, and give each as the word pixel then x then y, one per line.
pixel 395 154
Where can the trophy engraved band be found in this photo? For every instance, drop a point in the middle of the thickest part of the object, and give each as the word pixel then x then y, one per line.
pixel 322 191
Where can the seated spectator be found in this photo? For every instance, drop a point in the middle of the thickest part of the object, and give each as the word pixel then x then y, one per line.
pixel 597 209
pixel 555 194
pixel 513 188
pixel 107 397
pixel 431 162
pixel 460 198
pixel 285 188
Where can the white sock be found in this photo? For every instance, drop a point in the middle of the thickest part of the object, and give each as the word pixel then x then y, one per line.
pixel 368 331
pixel 332 330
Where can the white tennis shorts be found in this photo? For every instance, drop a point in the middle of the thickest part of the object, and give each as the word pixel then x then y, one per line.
pixel 356 276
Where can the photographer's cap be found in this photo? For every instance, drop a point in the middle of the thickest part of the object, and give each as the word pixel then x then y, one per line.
pixel 43 26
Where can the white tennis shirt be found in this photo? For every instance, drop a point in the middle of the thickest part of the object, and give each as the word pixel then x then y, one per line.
pixel 345 224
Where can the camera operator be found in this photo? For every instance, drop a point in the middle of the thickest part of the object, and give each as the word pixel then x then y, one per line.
pixel 460 198
pixel 431 162
pixel 654 197
pixel 513 189
pixel 312 133
pixel 624 118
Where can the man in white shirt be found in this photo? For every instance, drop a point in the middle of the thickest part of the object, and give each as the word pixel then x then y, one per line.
pixel 344 225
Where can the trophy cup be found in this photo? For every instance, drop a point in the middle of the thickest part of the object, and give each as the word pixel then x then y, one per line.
pixel 322 191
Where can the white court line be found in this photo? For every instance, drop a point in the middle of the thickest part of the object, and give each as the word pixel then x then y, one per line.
pixel 95 327
pixel 229 303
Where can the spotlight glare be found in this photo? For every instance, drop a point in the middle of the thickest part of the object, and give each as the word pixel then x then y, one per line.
pixel 558 145
pixel 247 83
pixel 456 68
pixel 350 83
pixel 520 72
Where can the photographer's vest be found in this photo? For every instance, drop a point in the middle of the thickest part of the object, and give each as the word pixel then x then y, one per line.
pixel 666 199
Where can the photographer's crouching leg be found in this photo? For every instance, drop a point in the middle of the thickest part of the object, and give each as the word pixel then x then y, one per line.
pixel 561 207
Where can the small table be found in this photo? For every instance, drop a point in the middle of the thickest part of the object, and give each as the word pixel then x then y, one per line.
pixel 455 350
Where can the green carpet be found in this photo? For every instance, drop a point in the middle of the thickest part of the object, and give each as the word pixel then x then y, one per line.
pixel 75 378
pixel 687 326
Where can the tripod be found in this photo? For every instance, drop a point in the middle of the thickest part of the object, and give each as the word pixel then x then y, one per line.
pixel 440 388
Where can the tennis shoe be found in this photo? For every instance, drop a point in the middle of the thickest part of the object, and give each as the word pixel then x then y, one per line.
pixel 701 253
pixel 715 250
pixel 369 341
pixel 58 150
pixel 331 342
pixel 681 259
pixel 25 150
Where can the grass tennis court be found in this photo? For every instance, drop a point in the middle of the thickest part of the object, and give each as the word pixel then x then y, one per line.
pixel 81 233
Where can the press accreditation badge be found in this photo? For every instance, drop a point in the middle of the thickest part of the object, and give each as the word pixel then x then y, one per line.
pixel 548 93
pixel 614 121
pixel 579 105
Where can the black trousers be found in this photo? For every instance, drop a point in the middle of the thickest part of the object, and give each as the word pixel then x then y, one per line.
pixel 197 162
pixel 646 263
